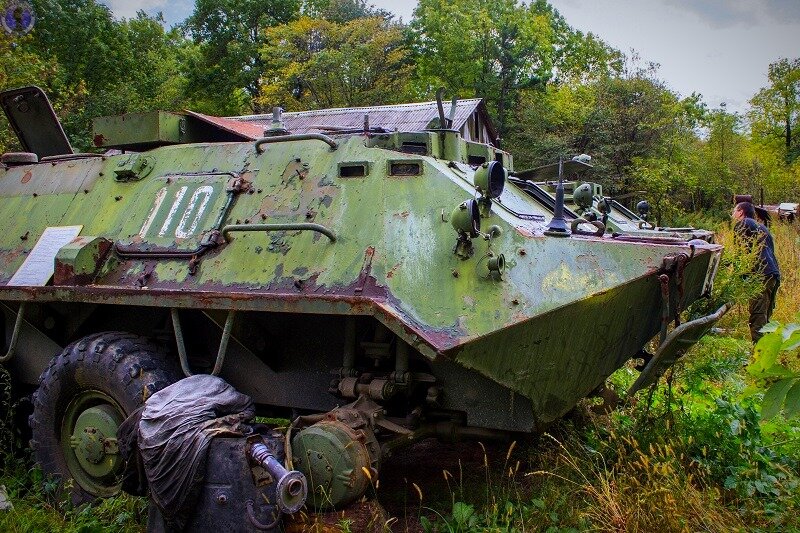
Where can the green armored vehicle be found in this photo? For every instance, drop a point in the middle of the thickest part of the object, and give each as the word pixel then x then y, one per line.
pixel 376 287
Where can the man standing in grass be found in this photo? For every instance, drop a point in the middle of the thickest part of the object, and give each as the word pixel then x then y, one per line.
pixel 757 235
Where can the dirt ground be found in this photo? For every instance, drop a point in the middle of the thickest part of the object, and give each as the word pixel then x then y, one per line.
pixel 397 501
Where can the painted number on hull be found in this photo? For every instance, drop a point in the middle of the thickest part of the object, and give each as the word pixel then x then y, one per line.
pixel 178 215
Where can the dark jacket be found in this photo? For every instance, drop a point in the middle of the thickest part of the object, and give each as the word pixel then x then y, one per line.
pixel 758 235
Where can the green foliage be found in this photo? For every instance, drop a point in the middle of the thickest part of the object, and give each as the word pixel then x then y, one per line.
pixel 463 518
pixel 700 426
pixel 713 368
pixel 343 11
pixel 316 63
pixel 781 384
pixel 482 48
pixel 776 108
pixel 502 50
pixel 99 66
pixel 728 444
pixel 774 118
pixel 737 280
pixel 227 65
pixel 37 509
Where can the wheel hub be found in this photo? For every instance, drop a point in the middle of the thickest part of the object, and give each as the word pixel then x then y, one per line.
pixel 90 427
pixel 89 445
pixel 94 437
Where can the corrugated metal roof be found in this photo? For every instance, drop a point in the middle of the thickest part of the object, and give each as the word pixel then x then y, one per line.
pixel 401 117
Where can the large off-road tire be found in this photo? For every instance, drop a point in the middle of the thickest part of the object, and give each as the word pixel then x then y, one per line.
pixel 83 397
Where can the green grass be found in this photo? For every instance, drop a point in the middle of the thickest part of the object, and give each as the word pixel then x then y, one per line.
pixel 37 507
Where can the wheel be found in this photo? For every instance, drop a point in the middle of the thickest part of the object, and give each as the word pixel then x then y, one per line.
pixel 83 397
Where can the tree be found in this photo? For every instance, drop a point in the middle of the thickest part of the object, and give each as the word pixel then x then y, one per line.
pixel 106 66
pixel 313 63
pixel 728 160
pixel 226 66
pixel 159 77
pixel 482 48
pixel 342 11
pixel 19 66
pixel 84 38
pixel 669 168
pixel 497 50
pixel 776 109
pixel 578 57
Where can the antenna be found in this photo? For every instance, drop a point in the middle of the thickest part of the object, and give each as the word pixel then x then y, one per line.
pixel 557 227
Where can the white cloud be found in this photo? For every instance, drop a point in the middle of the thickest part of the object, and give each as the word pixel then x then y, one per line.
pixel 702 45
pixel 726 13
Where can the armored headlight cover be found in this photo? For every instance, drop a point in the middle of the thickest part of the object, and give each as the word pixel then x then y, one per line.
pixel 466 218
pixel 490 179
pixel 583 196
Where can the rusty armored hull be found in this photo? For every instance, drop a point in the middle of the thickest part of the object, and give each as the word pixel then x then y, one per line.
pixel 377 287
pixel 563 315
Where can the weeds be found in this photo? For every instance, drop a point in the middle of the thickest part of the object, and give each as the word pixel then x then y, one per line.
pixel 38 506
pixel 37 503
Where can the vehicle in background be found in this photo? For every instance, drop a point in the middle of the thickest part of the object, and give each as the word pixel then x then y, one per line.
pixel 787 211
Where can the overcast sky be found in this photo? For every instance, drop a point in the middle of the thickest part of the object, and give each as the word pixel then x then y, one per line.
pixel 719 48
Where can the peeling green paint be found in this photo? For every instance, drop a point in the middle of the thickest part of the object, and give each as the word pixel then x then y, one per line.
pixel 565 314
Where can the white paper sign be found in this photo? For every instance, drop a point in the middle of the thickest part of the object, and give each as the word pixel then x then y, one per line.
pixel 38 267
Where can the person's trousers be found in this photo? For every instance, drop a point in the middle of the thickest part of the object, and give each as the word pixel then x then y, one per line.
pixel 761 307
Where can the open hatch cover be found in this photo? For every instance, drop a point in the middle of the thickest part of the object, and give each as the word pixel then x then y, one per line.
pixel 34 121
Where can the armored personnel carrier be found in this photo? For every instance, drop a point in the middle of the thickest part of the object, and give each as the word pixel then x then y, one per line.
pixel 375 287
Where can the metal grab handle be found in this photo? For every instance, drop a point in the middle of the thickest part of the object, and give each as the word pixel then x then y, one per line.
pixel 298 137
pixel 223 343
pixel 302 226
pixel 601 228
pixel 12 347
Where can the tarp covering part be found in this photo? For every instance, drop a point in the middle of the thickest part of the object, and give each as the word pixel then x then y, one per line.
pixel 175 431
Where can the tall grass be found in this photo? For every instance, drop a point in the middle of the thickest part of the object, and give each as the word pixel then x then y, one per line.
pixel 642 490
pixel 787 252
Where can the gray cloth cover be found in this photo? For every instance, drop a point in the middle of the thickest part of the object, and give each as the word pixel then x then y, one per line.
pixel 175 431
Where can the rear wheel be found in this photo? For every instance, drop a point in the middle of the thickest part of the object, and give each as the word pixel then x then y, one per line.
pixel 83 397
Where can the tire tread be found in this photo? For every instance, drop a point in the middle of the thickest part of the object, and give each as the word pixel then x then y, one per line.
pixel 127 367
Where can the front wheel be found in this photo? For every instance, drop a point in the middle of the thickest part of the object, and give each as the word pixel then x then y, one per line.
pixel 83 397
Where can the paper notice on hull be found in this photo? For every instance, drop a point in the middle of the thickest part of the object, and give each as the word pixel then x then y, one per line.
pixel 38 267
